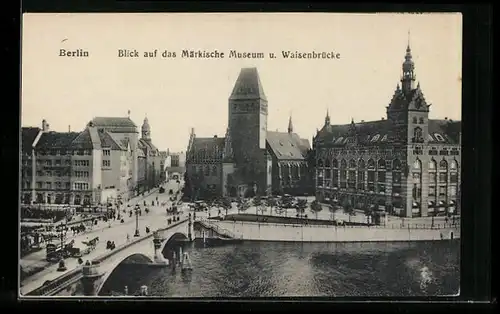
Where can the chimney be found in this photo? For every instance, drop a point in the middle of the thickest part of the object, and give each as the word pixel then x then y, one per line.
pixel 69 128
pixel 215 136
pixel 45 126
pixel 446 118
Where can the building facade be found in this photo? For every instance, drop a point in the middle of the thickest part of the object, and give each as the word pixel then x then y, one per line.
pixel 96 165
pixel 246 159
pixel 406 163
pixel 150 160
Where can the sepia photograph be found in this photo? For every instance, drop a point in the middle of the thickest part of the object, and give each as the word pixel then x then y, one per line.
pixel 240 155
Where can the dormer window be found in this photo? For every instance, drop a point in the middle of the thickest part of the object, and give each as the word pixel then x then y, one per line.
pixel 339 140
pixel 384 138
pixel 429 138
pixel 375 137
pixel 439 137
pixel 281 143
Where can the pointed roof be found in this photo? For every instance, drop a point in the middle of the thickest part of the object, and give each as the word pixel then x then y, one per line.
pixel 248 86
pixel 113 122
pixel 28 136
pixel 290 125
pixel 109 141
pixel 287 146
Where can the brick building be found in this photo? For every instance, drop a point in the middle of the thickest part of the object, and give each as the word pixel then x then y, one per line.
pixel 248 159
pixel 405 163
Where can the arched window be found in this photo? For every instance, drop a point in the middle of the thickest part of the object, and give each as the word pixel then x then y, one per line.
pixel 327 163
pixel 361 175
pixel 396 177
pixel 371 164
pixel 396 165
pixel 371 175
pixel 361 164
pixel 320 162
pixel 381 164
pixel 417 165
pixel 417 134
pixel 443 165
pixel 352 163
pixel 335 173
pixel 343 173
pixel 381 175
pixel 453 165
pixel 375 137
pixel 432 164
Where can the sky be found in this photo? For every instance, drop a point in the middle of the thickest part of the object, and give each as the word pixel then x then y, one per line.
pixel 178 94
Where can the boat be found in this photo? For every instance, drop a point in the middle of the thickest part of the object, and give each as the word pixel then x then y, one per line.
pixel 186 265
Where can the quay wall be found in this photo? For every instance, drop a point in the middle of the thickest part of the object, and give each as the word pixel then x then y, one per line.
pixel 307 233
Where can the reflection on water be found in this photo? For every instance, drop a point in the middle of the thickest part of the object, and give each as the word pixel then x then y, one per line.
pixel 267 269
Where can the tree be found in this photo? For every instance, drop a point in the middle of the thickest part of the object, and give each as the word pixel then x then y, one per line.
pixel 316 207
pixel 243 205
pixel 348 209
pixel 301 206
pixel 257 202
pixel 271 202
pixel 226 204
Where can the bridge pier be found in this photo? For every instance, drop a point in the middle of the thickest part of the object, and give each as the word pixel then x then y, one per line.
pixel 91 278
pixel 158 254
pixel 190 228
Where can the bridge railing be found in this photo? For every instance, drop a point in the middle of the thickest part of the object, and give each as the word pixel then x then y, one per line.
pixel 56 284
pixel 76 274
pixel 219 230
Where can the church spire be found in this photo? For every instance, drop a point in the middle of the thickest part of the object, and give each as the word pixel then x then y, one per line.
pixel 146 130
pixel 327 118
pixel 290 125
pixel 408 78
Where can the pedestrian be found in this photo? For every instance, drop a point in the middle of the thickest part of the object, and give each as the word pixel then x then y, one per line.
pixel 128 237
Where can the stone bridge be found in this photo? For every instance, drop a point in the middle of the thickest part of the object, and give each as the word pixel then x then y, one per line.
pixel 93 274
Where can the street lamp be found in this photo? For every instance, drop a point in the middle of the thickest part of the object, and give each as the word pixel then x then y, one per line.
pixel 137 234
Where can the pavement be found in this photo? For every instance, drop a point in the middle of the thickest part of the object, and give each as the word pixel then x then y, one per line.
pixel 111 230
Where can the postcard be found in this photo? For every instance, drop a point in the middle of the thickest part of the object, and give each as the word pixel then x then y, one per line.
pixel 240 155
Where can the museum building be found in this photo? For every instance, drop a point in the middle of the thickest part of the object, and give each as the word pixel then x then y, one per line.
pixel 405 164
pixel 249 159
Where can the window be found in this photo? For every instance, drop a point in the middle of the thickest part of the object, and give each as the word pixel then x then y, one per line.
pixel 58 185
pixel 343 173
pixel 375 137
pixel 432 165
pixel 432 191
pixel 414 120
pixel 320 162
pixel 416 164
pixel 339 140
pixel 106 163
pixel 442 191
pixel 443 152
pixel 384 138
pixel 417 135
pixel 58 162
pixel 371 164
pixel 48 173
pixel 453 165
pixel 327 163
pixel 443 165
pixel 352 164
pixel 416 192
pixel 67 185
pixel 421 120
pixel 81 186
pixel 106 152
pixel 335 163
pixel 214 170
pixel 48 163
pixel 439 137
pixel 443 177
pixel 48 185
pixel 39 185
pixel 58 173
pixel 432 178
pixel 39 173
pixel 453 191
pixel 207 168
pixel 453 177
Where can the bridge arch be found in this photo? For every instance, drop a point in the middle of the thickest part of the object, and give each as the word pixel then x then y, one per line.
pixel 174 237
pixel 142 258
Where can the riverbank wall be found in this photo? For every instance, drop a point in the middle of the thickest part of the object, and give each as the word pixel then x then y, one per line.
pixel 253 231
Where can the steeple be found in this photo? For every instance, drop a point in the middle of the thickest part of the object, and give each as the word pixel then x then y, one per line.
pixel 408 78
pixel 290 125
pixel 327 118
pixel 248 86
pixel 146 130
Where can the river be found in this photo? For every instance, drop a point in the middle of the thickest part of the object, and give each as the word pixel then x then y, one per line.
pixel 272 269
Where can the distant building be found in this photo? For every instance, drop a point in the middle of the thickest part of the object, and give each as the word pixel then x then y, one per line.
pixel 249 159
pixel 175 164
pixel 150 159
pixel 406 164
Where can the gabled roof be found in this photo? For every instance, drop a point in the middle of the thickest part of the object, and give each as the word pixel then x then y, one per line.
pixel 207 147
pixel 113 122
pixel 147 144
pixel 108 141
pixel 286 146
pixel 83 140
pixel 56 140
pixel 28 136
pixel 248 86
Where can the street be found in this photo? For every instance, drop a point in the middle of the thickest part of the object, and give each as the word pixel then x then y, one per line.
pixel 112 230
